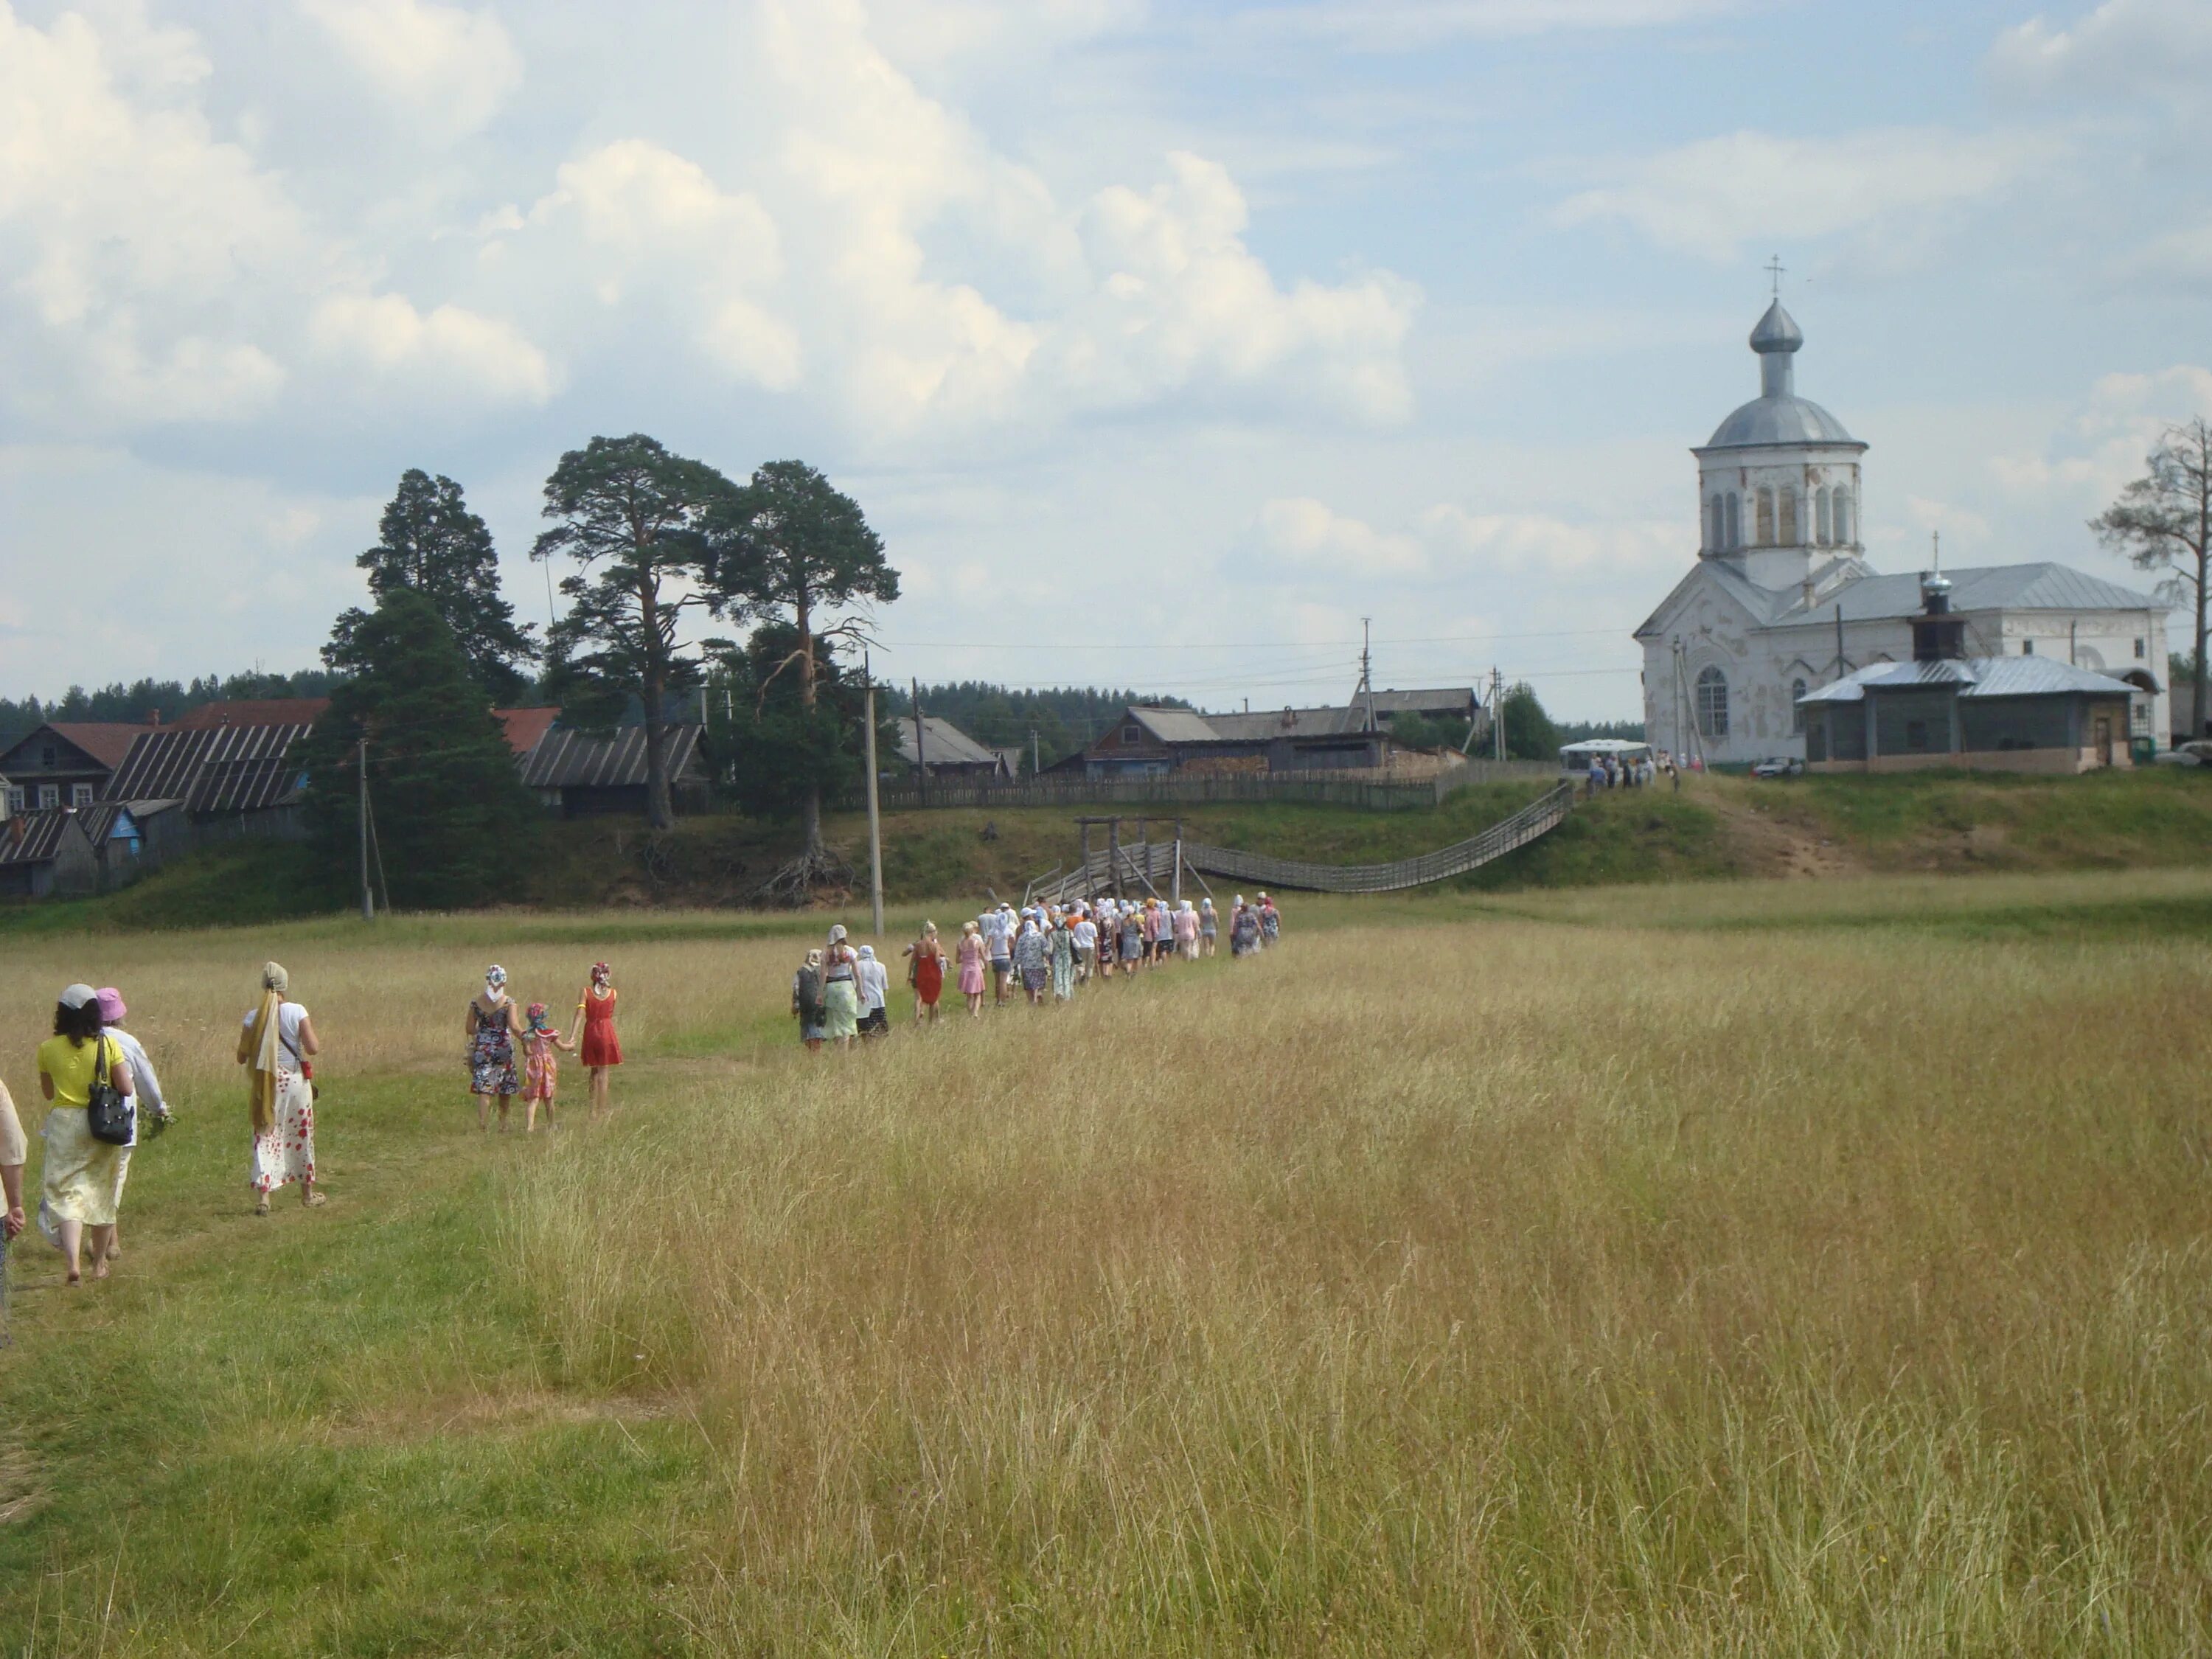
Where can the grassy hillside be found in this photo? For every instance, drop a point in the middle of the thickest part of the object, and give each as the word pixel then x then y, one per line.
pixel 1715 828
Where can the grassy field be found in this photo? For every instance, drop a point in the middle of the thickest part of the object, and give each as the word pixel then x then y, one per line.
pixel 1755 1269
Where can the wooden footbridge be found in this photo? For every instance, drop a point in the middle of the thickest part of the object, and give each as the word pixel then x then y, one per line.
pixel 1146 865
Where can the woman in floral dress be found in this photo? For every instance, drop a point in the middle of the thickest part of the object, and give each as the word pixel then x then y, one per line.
pixel 275 1045
pixel 494 1024
pixel 541 1066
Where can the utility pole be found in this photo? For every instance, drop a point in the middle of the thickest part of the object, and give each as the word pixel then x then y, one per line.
pixel 875 812
pixel 921 760
pixel 1367 691
pixel 360 812
pixel 1497 713
pixel 1034 766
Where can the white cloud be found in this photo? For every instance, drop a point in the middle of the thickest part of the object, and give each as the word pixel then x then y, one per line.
pixel 446 70
pixel 1307 532
pixel 127 226
pixel 1537 544
pixel 449 351
pixel 1709 198
pixel 2123 49
pixel 1394 25
pixel 2094 452
pixel 653 221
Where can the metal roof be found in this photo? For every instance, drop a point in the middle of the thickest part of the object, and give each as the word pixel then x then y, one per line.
pixel 2041 585
pixel 1776 330
pixel 1175 724
pixel 942 743
pixel 34 837
pixel 569 760
pixel 525 726
pixel 1787 420
pixel 1975 676
pixel 220 768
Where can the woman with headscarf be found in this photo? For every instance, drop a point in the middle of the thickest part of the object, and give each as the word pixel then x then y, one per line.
pixel 492 1024
pixel 601 1048
pixel 875 983
pixel 1244 928
pixel 275 1046
pixel 1209 925
pixel 1029 958
pixel 80 1174
pixel 152 1116
pixel 973 955
pixel 925 972
pixel 806 1001
pixel 841 988
pixel 541 1066
pixel 1061 950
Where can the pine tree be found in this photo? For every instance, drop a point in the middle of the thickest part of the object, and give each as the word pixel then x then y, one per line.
pixel 453 822
pixel 429 542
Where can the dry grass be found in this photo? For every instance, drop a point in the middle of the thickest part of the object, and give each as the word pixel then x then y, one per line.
pixel 1476 1283
pixel 1501 1288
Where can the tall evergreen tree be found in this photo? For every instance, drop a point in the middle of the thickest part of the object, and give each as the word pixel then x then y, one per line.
pixel 428 541
pixel 790 547
pixel 1529 733
pixel 453 822
pixel 774 753
pixel 634 519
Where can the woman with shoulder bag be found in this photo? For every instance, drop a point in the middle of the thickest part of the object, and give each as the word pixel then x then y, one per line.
pixel 82 1072
pixel 275 1045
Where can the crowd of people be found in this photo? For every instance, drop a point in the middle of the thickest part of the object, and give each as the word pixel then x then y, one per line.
pixel 105 1096
pixel 1630 772
pixel 841 992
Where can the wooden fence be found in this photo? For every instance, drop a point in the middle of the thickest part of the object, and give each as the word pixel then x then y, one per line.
pixel 1185 789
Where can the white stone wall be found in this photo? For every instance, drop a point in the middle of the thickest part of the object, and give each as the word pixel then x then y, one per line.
pixel 1744 472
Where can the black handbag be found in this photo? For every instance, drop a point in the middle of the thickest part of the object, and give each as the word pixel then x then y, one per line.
pixel 108 1113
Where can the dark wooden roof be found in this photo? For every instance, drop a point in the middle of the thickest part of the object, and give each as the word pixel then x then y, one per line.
pixel 104 743
pixel 222 768
pixel 569 760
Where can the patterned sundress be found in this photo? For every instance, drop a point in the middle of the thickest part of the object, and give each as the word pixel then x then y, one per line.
pixel 491 1053
pixel 541 1067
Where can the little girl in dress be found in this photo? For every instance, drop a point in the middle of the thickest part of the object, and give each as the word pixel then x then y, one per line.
pixel 541 1068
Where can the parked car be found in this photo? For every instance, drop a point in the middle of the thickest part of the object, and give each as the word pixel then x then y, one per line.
pixel 1778 766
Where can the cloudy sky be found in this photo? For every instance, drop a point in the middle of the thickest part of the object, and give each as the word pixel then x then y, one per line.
pixel 1163 341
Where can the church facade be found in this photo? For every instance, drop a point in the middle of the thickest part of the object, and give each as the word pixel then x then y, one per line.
pixel 1782 601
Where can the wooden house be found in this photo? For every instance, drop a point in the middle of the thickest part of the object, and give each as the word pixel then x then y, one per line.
pixel 66 762
pixel 46 854
pixel 944 751
pixel 582 776
pixel 1146 740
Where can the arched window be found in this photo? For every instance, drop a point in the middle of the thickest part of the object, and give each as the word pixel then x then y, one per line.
pixel 1712 703
pixel 1734 520
pixel 1766 523
pixel 1797 689
pixel 1716 525
pixel 1788 517
pixel 1843 516
pixel 1822 524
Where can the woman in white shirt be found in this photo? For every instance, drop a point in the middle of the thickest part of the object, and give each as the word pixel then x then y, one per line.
pixel 875 982
pixel 147 1094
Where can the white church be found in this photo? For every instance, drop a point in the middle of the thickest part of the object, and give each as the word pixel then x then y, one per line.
pixel 1782 601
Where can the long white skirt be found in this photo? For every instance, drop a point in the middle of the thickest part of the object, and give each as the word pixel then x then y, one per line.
pixel 286 1152
pixel 81 1178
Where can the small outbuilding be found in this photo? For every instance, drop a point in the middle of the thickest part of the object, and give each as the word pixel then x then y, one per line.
pixel 47 853
pixel 582 776
pixel 944 751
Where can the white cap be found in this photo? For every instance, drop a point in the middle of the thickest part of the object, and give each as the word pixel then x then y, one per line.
pixel 75 996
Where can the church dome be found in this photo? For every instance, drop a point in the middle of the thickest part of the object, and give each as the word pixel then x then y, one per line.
pixel 1778 415
pixel 1786 420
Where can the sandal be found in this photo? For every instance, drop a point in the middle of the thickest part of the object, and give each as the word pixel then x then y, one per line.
pixel 262 1208
pixel 314 1200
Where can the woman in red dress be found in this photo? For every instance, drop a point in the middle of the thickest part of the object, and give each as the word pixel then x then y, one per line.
pixel 925 972
pixel 601 1049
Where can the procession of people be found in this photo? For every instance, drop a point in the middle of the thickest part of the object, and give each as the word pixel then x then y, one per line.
pixel 1030 956
pixel 105 1094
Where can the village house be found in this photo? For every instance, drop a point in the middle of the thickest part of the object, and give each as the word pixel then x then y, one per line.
pixel 1944 709
pixel 1147 741
pixel 581 776
pixel 65 763
pixel 1781 600
pixel 944 751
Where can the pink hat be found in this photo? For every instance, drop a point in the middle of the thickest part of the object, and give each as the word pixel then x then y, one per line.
pixel 111 1011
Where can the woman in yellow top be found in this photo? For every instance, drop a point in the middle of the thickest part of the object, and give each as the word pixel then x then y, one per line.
pixel 79 1179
